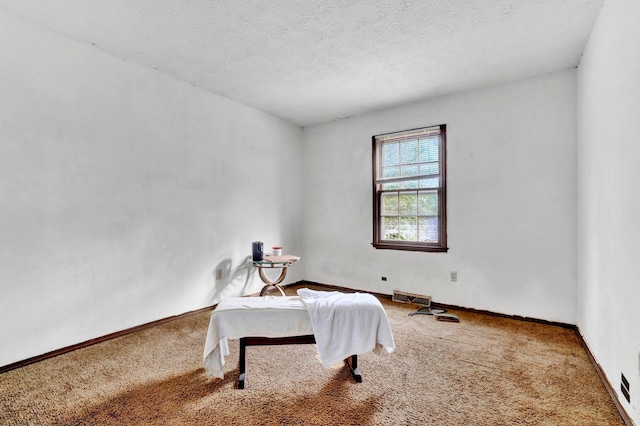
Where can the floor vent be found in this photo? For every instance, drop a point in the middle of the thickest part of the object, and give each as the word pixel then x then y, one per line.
pixel 416 299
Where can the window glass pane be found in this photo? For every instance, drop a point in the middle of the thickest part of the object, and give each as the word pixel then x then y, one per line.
pixel 428 229
pixel 428 204
pixel 408 204
pixel 391 172
pixel 429 183
pixel 409 152
pixel 390 228
pixel 408 228
pixel 390 154
pixel 429 169
pixel 429 149
pixel 409 170
pixel 394 185
pixel 411 184
pixel 389 204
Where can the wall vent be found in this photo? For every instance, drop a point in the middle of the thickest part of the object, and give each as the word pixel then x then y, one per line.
pixel 416 299
pixel 624 387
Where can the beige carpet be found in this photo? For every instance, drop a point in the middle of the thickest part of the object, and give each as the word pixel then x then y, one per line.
pixel 484 370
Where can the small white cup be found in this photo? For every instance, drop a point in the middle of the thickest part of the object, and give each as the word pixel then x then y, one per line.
pixel 277 251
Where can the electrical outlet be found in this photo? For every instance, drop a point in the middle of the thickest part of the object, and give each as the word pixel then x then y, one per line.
pixel 384 278
pixel 453 276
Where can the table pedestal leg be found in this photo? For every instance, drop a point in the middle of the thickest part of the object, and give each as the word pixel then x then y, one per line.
pixel 268 287
pixel 272 284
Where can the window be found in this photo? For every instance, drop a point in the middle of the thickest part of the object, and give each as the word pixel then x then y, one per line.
pixel 409 191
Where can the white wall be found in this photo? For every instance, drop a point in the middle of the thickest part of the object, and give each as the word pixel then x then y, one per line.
pixel 511 201
pixel 609 206
pixel 122 190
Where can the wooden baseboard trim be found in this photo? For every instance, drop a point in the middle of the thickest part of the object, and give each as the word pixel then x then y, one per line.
pixel 61 351
pixel 496 314
pixel 340 289
pixel 628 421
pixel 101 339
pixel 444 306
pixel 603 378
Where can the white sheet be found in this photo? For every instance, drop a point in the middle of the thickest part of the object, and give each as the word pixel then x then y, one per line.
pixel 236 317
pixel 360 324
pixel 345 324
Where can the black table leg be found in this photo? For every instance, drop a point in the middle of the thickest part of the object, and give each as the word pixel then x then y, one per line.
pixel 352 362
pixel 242 362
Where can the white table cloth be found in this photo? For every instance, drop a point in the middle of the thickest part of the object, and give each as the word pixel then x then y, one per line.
pixel 343 324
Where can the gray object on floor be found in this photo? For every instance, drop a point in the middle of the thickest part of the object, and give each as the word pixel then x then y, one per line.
pixel 447 317
pixel 427 310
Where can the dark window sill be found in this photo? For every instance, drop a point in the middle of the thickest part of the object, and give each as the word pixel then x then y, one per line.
pixel 410 247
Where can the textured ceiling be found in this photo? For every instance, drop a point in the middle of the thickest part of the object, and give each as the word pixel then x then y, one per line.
pixel 311 61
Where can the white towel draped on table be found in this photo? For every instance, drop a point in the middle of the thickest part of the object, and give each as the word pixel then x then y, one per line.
pixel 347 324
